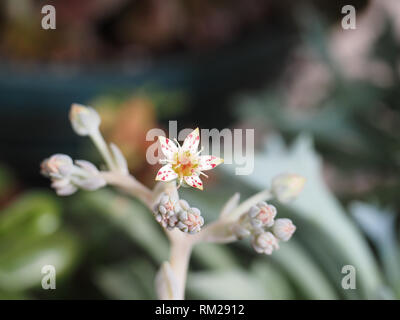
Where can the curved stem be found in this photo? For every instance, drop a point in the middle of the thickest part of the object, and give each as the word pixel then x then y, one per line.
pixel 130 185
pixel 220 231
pixel 246 205
pixel 101 145
pixel 181 250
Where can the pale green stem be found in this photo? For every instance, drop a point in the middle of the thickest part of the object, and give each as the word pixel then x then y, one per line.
pixel 181 249
pixel 220 231
pixel 130 185
pixel 101 145
pixel 264 195
pixel 181 243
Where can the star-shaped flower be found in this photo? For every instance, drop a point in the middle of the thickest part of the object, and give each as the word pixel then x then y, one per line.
pixel 184 162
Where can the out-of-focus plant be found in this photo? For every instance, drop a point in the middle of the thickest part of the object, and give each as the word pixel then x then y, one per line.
pixel 253 218
pixel 7 184
pixel 125 28
pixel 320 210
pixel 344 92
pixel 30 238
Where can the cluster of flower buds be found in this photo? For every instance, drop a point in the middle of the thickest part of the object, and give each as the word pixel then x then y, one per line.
pixel 178 214
pixel 67 177
pixel 259 223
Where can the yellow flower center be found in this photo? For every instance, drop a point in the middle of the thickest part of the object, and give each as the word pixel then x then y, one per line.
pixel 185 163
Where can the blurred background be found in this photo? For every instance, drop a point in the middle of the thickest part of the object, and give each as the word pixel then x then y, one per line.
pixel 324 103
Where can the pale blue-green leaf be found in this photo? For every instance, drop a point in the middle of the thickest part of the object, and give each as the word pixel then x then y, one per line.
pixel 316 203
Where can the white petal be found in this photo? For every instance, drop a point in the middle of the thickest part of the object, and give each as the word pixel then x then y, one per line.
pixel 209 162
pixel 168 147
pixel 166 173
pixel 191 142
pixel 194 181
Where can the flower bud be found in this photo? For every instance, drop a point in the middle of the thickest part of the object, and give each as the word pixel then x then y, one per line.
pixel 284 229
pixel 264 242
pixel 84 120
pixel 164 212
pixel 57 166
pixel 67 178
pixel 262 215
pixel 286 187
pixel 190 219
pixel 63 187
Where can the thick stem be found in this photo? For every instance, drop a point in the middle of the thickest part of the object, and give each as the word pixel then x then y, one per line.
pixel 246 205
pixel 220 231
pixel 181 243
pixel 130 185
pixel 101 145
pixel 181 248
pixel 217 232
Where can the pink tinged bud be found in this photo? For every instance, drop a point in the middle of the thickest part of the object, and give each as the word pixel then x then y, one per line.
pixel 164 212
pixel 84 120
pixel 57 166
pixel 66 177
pixel 66 190
pixel 284 229
pixel 191 221
pixel 287 187
pixel 262 215
pixel 265 242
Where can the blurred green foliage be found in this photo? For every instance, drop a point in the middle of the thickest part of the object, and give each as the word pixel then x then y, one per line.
pixel 30 238
pixel 106 245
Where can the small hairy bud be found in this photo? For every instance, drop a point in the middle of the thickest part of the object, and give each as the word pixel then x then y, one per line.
pixel 190 219
pixel 84 120
pixel 262 215
pixel 67 177
pixel 58 166
pixel 284 229
pixel 286 187
pixel 264 242
pixel 164 212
